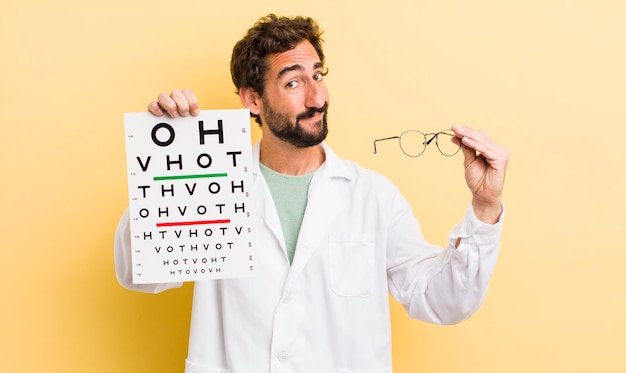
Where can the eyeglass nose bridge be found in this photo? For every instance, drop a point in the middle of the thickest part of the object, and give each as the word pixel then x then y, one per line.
pixel 447 152
pixel 433 137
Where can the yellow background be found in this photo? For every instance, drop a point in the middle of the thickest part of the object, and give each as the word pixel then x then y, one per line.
pixel 545 78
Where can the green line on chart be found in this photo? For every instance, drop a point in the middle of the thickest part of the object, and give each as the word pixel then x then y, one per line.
pixel 181 177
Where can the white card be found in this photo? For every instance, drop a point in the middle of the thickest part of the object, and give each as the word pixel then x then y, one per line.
pixel 190 206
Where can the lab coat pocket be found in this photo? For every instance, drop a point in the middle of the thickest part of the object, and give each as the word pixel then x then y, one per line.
pixel 351 261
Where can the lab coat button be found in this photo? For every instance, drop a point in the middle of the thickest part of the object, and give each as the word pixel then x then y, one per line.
pixel 287 297
pixel 283 357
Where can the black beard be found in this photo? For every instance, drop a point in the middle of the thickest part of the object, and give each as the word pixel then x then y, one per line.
pixel 293 133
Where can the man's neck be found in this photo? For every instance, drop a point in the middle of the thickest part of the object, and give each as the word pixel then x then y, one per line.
pixel 290 160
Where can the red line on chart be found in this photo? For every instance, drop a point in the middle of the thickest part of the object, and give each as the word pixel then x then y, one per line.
pixel 200 222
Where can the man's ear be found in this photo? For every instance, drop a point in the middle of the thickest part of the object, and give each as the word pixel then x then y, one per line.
pixel 251 99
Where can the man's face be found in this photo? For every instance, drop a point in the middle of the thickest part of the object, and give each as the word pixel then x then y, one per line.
pixel 295 99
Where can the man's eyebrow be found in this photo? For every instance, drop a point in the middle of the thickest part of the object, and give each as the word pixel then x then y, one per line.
pixel 287 69
pixel 297 67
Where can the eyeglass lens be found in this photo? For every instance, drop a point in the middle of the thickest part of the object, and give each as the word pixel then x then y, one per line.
pixel 413 143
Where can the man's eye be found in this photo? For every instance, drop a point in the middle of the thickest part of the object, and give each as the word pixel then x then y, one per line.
pixel 292 84
pixel 318 76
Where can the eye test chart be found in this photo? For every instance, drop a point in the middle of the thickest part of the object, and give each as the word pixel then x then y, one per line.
pixel 190 206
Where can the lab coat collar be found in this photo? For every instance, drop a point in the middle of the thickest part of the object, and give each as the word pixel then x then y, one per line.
pixel 335 166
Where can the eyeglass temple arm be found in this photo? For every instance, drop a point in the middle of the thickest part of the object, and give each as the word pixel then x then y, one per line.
pixel 386 138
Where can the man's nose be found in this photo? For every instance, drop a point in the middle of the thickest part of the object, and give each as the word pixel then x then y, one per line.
pixel 315 95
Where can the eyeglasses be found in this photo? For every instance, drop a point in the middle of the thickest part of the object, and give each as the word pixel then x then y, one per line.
pixel 413 143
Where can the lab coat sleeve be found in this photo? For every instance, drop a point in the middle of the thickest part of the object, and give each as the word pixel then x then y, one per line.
pixel 442 286
pixel 123 264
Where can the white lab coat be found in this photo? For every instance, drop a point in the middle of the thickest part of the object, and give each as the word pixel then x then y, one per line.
pixel 329 311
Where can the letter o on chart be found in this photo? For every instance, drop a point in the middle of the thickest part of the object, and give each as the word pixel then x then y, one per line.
pixel 170 131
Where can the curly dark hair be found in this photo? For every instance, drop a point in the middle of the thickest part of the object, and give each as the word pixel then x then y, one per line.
pixel 271 34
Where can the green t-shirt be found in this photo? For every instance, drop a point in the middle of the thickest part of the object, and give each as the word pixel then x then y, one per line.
pixel 290 194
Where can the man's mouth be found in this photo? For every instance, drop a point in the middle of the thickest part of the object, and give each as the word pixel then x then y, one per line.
pixel 313 112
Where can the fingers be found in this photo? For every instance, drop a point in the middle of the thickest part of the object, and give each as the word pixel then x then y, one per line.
pixel 176 104
pixel 476 141
pixel 192 100
pixel 155 109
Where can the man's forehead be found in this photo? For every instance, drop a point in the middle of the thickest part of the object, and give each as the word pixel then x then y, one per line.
pixel 303 56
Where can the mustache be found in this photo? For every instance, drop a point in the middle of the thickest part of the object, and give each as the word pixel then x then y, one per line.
pixel 312 111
